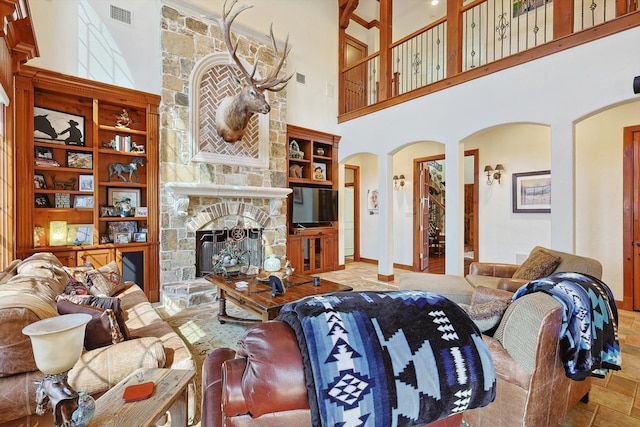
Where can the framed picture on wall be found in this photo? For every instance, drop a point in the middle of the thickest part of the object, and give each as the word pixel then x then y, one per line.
pixel 58 127
pixel 532 192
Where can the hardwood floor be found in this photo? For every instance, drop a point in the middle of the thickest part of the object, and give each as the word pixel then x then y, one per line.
pixel 613 401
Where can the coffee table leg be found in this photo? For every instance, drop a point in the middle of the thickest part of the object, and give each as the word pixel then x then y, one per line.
pixel 178 411
pixel 222 306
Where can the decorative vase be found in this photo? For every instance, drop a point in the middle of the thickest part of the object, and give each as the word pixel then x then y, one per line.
pixel 125 209
pixel 86 408
pixel 320 151
pixel 272 263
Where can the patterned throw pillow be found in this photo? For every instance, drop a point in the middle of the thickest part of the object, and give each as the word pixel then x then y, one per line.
pixel 102 330
pixel 539 264
pixel 111 303
pixel 106 281
pixel 78 272
pixel 486 315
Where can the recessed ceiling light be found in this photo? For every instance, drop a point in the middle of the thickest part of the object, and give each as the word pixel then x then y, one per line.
pixel 435 2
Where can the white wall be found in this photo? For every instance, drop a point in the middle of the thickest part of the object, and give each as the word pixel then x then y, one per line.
pixel 599 195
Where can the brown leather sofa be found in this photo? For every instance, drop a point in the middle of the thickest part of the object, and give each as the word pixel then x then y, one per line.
pixel 28 290
pixel 262 384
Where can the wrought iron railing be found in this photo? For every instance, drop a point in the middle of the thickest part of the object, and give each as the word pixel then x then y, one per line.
pixel 490 30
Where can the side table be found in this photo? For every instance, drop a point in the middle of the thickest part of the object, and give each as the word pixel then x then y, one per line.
pixel 169 395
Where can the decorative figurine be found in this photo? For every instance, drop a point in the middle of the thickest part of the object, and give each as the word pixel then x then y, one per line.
pixel 123 119
pixel 132 169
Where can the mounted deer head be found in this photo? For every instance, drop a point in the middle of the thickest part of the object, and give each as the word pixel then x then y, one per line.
pixel 234 112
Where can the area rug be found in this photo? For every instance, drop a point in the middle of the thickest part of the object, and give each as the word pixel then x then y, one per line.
pixel 201 331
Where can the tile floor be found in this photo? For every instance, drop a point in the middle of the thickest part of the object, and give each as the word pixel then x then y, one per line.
pixel 613 401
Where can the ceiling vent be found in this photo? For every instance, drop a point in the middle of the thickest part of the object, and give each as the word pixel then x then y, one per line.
pixel 121 15
pixel 301 78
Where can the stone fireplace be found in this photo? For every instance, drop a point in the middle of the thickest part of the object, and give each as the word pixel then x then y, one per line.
pixel 207 184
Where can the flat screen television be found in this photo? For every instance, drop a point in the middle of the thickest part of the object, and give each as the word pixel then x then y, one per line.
pixel 314 205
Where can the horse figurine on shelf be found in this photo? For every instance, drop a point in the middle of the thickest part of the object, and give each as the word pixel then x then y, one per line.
pixel 64 400
pixel 118 169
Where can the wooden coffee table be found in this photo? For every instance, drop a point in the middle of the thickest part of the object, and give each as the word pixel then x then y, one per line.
pixel 257 297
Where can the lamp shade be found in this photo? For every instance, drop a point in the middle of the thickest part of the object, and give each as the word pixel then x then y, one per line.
pixel 57 341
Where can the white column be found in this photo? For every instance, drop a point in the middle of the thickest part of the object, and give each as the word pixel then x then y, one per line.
pixel 563 186
pixel 385 233
pixel 454 203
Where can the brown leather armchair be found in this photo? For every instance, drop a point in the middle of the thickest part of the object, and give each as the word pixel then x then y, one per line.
pixel 532 387
pixel 262 384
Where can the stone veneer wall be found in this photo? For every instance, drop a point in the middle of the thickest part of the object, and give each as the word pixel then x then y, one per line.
pixel 185 40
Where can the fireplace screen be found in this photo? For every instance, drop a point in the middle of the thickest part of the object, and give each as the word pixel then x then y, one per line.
pixel 214 242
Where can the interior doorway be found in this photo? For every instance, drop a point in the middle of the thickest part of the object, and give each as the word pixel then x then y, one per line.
pixel 631 218
pixel 429 224
pixel 351 213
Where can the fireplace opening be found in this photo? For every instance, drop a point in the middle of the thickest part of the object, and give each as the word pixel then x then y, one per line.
pixel 212 242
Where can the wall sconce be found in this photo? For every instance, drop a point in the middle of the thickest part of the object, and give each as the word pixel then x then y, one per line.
pixel 398 182
pixel 493 174
pixel 57 233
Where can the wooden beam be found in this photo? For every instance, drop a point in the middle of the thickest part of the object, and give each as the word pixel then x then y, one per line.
pixel 346 8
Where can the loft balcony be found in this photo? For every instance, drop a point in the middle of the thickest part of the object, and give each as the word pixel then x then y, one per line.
pixel 471 39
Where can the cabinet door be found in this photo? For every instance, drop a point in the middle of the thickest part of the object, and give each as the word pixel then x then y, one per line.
pixel 294 249
pixel 328 252
pixel 68 258
pixel 97 257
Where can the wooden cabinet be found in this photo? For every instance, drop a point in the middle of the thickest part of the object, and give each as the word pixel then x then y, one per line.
pixel 312 159
pixel 84 151
pixel 315 161
pixel 313 251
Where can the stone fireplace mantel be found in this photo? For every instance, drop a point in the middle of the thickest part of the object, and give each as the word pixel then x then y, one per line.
pixel 182 191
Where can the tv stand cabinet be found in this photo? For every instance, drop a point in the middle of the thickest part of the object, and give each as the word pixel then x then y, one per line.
pixel 311 250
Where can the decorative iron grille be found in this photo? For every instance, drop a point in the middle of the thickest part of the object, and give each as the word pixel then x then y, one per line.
pixel 212 242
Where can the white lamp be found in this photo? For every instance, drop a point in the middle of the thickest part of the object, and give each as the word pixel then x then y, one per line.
pixel 57 233
pixel 57 345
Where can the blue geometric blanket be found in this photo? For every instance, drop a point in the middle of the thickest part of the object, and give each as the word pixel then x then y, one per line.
pixel 589 333
pixel 379 359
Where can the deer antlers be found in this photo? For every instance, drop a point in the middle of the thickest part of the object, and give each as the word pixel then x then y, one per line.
pixel 271 82
pixel 234 113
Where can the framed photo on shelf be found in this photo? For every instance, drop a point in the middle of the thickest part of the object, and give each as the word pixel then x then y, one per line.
pixel 41 201
pixel 108 211
pixel 39 183
pixel 86 183
pixel 142 211
pixel 319 171
pixel 116 195
pixel 44 153
pixel 83 201
pixel 121 238
pixel 139 237
pixel 80 234
pixel 62 200
pixel 79 160
pixel 532 192
pixel 58 127
pixel 118 227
